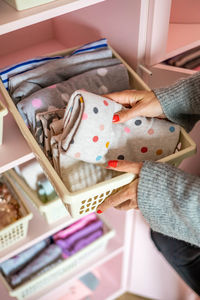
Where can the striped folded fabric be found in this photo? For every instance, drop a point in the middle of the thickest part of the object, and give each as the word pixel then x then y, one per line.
pixel 97 45
pixel 24 66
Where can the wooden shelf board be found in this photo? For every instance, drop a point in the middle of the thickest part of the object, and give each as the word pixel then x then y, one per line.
pixel 11 19
pixel 182 37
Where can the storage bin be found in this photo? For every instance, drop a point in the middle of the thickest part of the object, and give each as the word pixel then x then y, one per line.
pixel 24 4
pixel 66 267
pixel 3 112
pixel 86 200
pixel 52 211
pixel 16 231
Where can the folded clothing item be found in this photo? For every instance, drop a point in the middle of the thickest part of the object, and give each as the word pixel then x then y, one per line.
pixel 93 46
pixel 18 68
pixel 16 263
pixel 64 233
pixel 90 135
pixel 77 175
pixel 23 85
pixel 45 189
pixel 82 243
pixel 23 66
pixel 184 59
pixel 81 238
pixel 9 205
pixel 46 257
pixel 99 81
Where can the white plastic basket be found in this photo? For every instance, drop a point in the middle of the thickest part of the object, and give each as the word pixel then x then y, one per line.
pixel 52 211
pixel 3 112
pixel 16 231
pixel 24 4
pixel 86 200
pixel 64 268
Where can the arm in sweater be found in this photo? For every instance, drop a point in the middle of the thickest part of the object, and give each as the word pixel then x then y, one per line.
pixel 181 101
pixel 168 198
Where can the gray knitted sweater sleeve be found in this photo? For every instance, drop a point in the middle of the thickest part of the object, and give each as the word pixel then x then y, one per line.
pixel 168 198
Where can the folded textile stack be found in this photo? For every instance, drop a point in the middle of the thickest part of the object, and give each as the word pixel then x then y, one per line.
pixel 28 263
pixel 9 205
pixel 44 255
pixel 79 234
pixel 189 59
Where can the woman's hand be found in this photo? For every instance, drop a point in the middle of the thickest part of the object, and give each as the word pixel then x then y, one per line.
pixel 140 103
pixel 126 198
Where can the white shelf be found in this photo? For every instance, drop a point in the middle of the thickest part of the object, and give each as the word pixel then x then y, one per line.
pixel 11 19
pixel 182 37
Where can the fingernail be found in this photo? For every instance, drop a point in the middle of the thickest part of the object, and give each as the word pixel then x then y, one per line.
pixel 99 211
pixel 112 163
pixel 115 118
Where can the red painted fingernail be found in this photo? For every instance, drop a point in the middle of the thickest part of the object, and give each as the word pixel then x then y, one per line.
pixel 115 118
pixel 112 163
pixel 99 211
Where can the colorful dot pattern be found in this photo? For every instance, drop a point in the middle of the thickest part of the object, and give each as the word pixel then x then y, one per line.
pixel 96 137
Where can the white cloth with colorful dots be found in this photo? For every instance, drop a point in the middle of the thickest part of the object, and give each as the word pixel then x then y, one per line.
pixel 89 134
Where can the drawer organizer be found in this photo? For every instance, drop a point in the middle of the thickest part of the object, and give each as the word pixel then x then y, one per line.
pixel 24 4
pixel 3 112
pixel 53 210
pixel 16 231
pixel 63 268
pixel 86 200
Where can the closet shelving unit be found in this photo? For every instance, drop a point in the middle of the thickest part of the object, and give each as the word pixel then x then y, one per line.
pixel 143 32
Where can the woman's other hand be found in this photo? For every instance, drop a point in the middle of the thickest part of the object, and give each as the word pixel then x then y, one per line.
pixel 126 198
pixel 140 103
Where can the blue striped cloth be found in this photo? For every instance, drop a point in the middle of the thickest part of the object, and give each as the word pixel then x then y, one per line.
pixel 24 66
pixel 21 67
pixel 97 45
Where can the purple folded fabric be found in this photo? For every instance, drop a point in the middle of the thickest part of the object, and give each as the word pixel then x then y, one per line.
pixel 75 227
pixel 83 243
pixel 70 241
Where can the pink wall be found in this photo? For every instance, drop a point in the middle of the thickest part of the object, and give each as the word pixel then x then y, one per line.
pixel 185 11
pixel 110 19
pixel 25 37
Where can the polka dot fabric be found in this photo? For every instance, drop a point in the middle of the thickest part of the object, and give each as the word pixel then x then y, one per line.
pixel 89 134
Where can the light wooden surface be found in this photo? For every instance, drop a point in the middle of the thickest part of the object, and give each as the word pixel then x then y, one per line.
pixel 129 296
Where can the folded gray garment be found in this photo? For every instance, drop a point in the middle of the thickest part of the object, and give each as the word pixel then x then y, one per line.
pixel 14 264
pixel 181 59
pixel 49 255
pixel 193 63
pixel 103 80
pixel 24 84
